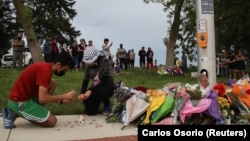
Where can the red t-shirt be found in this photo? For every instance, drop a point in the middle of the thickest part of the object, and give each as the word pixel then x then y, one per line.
pixel 27 85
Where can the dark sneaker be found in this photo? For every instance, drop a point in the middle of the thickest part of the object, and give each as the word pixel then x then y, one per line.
pixel 8 118
pixel 107 110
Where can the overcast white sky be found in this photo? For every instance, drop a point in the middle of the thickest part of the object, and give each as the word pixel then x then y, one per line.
pixel 131 22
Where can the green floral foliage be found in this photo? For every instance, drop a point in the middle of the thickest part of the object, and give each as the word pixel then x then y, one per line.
pixel 194 94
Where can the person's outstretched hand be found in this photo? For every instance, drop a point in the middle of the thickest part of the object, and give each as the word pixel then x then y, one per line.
pixel 84 96
pixel 69 98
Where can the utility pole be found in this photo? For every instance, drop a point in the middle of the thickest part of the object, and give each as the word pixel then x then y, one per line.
pixel 206 39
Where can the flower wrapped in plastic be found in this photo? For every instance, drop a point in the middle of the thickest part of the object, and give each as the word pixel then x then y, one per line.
pixel 229 110
pixel 121 95
pixel 193 91
pixel 241 89
pixel 156 99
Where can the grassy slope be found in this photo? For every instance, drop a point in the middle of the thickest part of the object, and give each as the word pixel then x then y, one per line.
pixel 73 80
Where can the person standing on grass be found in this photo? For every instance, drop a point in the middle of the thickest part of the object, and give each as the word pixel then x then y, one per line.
pixel 231 65
pixel 149 56
pixel 82 46
pixel 55 50
pixel 33 89
pixel 18 47
pixel 224 64
pixel 132 58
pixel 47 50
pixel 240 63
pixel 106 48
pixel 142 57
pixel 122 56
pixel 127 60
pixel 99 70
pixel 74 53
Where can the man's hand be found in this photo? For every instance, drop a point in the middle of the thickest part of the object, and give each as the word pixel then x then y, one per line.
pixel 69 97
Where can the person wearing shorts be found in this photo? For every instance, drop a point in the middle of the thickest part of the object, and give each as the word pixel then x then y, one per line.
pixel 33 89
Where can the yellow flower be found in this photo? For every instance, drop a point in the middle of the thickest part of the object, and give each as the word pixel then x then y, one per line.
pixel 224 113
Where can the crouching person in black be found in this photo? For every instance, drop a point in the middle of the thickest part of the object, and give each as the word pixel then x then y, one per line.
pixel 99 70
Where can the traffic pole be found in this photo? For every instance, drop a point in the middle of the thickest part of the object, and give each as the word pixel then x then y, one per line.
pixel 206 40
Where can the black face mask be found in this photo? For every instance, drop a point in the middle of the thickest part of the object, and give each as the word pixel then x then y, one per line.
pixel 19 38
pixel 60 73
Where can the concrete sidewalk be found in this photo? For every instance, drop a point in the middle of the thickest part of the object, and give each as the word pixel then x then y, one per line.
pixel 67 128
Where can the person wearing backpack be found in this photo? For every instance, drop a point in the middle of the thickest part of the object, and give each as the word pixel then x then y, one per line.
pixel 47 50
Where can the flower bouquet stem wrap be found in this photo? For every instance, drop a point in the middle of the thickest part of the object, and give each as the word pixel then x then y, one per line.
pixel 156 99
pixel 164 109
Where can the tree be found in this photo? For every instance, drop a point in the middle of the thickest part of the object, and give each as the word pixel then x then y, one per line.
pixel 52 18
pixel 6 25
pixel 25 18
pixel 232 18
pixel 187 33
pixel 45 19
pixel 170 42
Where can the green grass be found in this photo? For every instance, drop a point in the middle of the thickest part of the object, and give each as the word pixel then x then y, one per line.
pixel 73 80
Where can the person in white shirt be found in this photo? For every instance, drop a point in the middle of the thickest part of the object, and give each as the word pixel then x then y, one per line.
pixel 132 58
pixel 121 52
pixel 106 48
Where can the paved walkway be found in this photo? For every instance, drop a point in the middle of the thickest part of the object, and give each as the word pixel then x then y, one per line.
pixel 67 129
pixel 120 138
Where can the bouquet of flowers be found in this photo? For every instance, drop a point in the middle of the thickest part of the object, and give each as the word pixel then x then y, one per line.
pixel 229 110
pixel 193 91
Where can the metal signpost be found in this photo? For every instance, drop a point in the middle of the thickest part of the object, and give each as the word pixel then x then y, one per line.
pixel 206 39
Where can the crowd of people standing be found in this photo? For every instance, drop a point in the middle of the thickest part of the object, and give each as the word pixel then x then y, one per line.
pixel 51 50
pixel 126 59
pixel 231 64
pixel 123 58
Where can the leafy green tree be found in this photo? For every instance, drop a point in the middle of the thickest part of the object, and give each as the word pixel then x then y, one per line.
pixel 52 18
pixel 232 20
pixel 46 18
pixel 187 33
pixel 7 25
pixel 24 16
pixel 173 7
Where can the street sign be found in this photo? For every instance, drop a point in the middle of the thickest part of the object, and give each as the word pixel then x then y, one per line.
pixel 202 26
pixel 207 6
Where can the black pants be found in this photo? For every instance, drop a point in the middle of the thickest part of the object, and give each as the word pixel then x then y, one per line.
pixel 123 63
pixel 93 102
pixel 142 63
